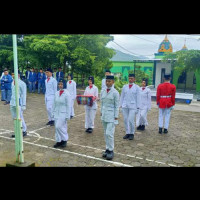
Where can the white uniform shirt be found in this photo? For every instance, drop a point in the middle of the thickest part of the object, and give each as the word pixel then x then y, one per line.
pixel 22 94
pixel 130 98
pixel 145 98
pixel 51 88
pixel 109 105
pixel 72 89
pixel 94 92
pixel 61 105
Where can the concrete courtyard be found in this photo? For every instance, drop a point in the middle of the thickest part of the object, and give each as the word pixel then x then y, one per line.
pixel 179 148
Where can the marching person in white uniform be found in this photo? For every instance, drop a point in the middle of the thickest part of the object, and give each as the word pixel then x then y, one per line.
pixel 51 89
pixel 90 111
pixel 71 87
pixel 22 103
pixel 61 114
pixel 103 83
pixel 141 117
pixel 130 104
pixel 109 115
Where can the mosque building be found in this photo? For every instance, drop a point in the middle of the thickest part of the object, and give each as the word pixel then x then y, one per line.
pixel 156 69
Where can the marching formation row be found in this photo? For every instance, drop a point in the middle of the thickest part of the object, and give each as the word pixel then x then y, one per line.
pixel 134 102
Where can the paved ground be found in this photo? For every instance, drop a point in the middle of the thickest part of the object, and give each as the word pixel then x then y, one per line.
pixel 180 147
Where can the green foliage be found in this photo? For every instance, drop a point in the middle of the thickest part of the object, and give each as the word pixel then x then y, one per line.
pixel 119 84
pixel 184 60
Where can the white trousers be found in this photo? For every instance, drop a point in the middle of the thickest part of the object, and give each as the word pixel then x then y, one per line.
pixel 164 114
pixel 129 120
pixel 61 130
pixel 14 115
pixel 49 105
pixel 72 107
pixel 89 117
pixel 109 130
pixel 141 117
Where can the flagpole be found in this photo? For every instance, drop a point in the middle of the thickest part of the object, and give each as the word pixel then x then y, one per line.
pixel 17 122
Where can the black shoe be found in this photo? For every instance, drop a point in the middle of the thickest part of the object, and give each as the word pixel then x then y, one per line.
pixel 48 123
pixel 24 134
pixel 71 117
pixel 52 123
pixel 126 136
pixel 63 143
pixel 165 131
pixel 105 153
pixel 143 127
pixel 131 137
pixel 58 144
pixel 87 130
pixel 90 130
pixel 110 155
pixel 160 130
pixel 139 127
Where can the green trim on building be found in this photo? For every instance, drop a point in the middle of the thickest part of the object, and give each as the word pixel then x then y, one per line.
pixel 176 75
pixel 124 67
pixel 197 75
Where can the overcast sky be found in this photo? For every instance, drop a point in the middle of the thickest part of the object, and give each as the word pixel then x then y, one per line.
pixel 147 44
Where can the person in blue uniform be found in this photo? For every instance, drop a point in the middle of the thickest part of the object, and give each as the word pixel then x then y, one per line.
pixel 28 71
pixel 41 81
pixel 3 98
pixel 59 75
pixel 6 82
pixel 32 80
pixel 61 114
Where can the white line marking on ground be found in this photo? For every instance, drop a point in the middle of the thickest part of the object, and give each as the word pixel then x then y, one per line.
pixel 132 156
pixel 74 153
pixel 39 129
pixel 79 115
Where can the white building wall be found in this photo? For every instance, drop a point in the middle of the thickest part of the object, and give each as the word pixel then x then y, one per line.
pixel 159 67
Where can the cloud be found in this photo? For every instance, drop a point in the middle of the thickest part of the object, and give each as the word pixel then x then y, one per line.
pixel 147 45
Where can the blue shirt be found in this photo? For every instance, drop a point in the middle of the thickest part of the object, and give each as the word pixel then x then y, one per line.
pixel 32 77
pixel 41 77
pixel 6 82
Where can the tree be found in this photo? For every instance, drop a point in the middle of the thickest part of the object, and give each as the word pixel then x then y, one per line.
pixel 184 60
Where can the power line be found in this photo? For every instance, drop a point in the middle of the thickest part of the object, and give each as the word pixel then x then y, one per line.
pixel 144 39
pixel 135 54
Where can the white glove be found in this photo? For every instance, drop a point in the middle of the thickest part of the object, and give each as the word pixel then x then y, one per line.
pixel 23 108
